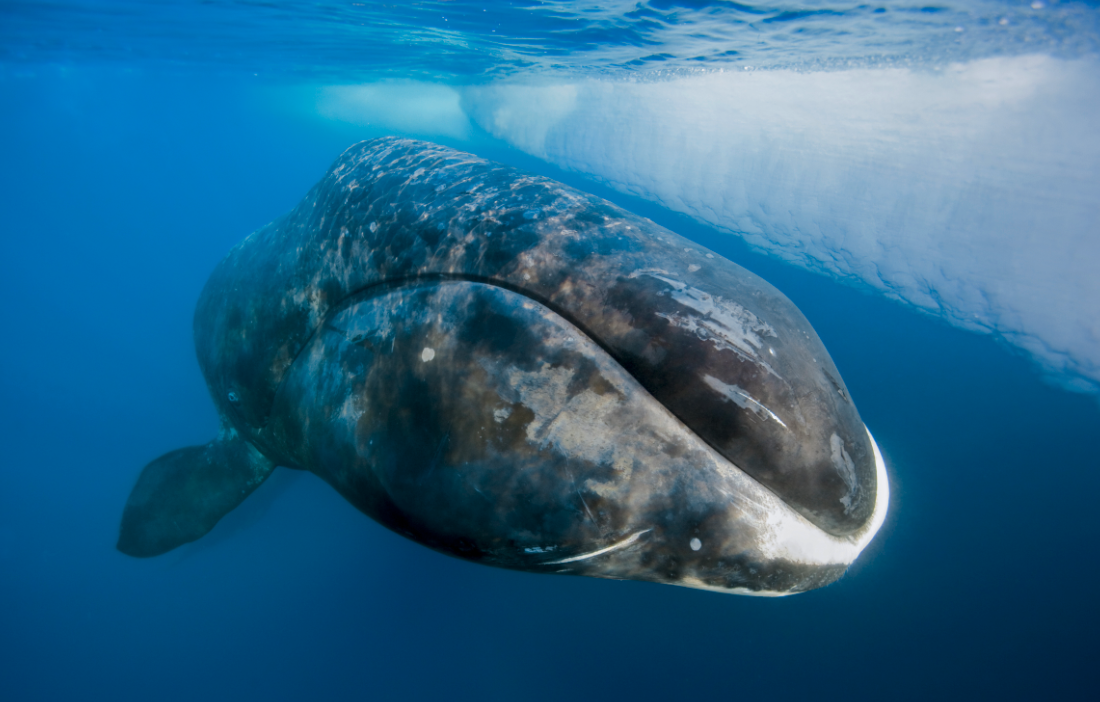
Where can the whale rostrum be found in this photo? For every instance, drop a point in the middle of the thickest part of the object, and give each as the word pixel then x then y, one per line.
pixel 513 372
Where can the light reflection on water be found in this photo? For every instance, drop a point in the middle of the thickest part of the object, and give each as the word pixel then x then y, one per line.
pixel 464 41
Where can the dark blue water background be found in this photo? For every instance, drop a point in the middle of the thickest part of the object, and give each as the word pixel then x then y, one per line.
pixel 123 183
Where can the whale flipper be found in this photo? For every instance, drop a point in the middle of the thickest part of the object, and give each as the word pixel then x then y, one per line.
pixel 180 496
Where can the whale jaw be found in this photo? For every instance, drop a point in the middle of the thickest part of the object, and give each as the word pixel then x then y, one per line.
pixel 779 554
pixel 482 424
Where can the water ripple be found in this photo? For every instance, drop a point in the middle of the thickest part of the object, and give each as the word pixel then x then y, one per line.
pixel 470 42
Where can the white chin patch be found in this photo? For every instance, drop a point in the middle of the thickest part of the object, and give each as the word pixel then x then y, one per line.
pixel 792 537
pixel 798 540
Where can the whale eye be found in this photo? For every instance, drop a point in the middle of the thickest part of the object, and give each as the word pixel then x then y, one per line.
pixel 233 397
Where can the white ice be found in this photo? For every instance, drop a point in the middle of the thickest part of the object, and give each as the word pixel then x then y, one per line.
pixel 971 192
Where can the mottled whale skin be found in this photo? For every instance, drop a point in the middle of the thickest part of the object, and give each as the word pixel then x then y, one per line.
pixel 514 372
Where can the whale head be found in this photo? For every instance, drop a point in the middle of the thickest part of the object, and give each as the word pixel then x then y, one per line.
pixel 482 423
pixel 516 373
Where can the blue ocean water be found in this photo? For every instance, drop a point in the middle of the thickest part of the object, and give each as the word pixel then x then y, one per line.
pixel 141 141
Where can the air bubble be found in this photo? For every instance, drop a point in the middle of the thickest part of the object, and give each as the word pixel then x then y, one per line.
pixel 695 544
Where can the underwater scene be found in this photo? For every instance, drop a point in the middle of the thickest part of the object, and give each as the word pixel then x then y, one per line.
pixel 338 333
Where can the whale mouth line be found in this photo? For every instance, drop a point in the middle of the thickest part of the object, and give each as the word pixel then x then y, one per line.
pixel 380 288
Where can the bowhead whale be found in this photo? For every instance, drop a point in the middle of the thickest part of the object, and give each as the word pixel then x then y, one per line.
pixel 510 371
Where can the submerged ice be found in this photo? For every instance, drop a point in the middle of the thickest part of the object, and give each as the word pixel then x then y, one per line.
pixel 968 192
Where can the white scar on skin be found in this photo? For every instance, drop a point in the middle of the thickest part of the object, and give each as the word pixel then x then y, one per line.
pixel 742 399
pixel 607 549
pixel 726 324
pixel 847 471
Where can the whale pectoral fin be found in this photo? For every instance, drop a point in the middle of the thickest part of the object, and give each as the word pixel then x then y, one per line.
pixel 180 496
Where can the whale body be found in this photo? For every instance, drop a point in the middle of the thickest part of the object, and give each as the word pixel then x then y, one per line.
pixel 513 372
